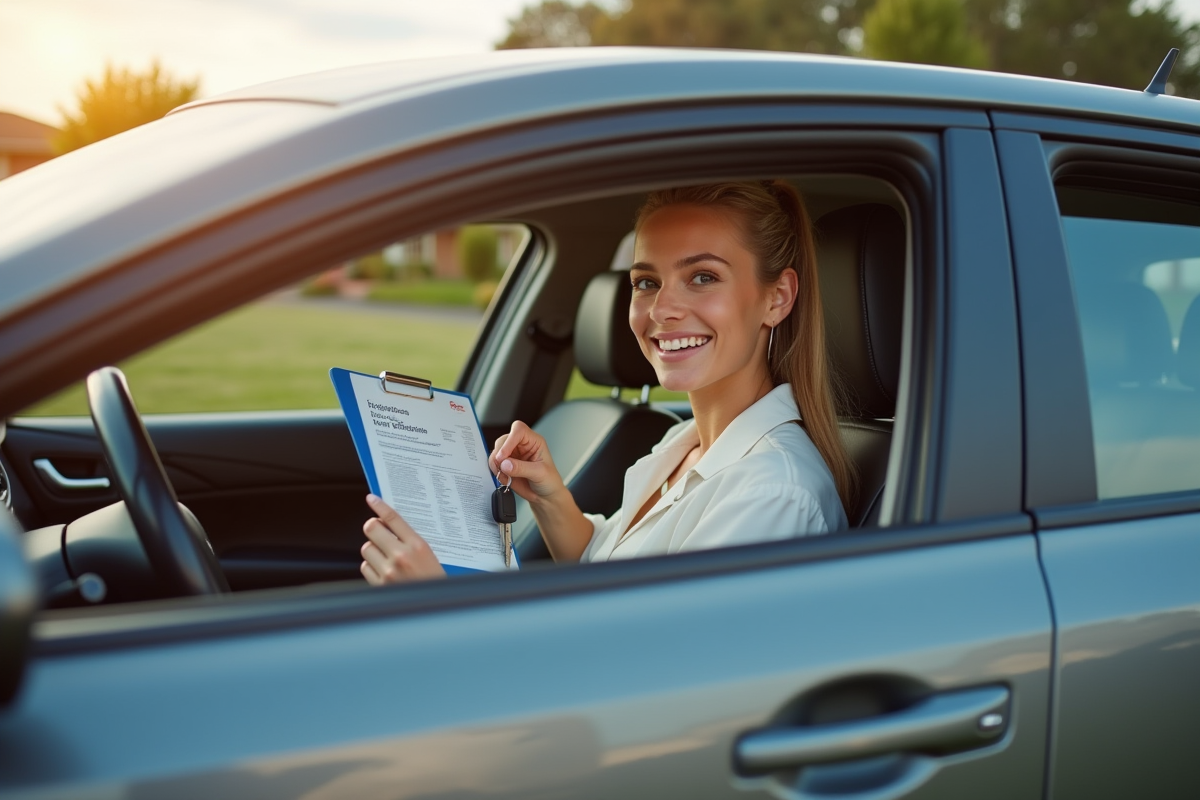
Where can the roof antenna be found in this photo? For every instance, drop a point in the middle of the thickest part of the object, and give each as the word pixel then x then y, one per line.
pixel 1159 84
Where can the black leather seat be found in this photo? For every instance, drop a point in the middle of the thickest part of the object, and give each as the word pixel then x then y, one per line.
pixel 595 440
pixel 860 254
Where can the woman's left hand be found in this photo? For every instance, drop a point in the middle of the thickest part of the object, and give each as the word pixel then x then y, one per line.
pixel 394 552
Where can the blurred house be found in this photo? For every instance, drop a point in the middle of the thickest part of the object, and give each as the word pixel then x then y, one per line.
pixel 24 143
pixel 439 250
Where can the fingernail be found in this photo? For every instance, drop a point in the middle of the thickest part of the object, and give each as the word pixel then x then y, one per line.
pixel 506 466
pixel 372 499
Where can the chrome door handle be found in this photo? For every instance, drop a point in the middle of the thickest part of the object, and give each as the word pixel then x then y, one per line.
pixel 44 466
pixel 944 723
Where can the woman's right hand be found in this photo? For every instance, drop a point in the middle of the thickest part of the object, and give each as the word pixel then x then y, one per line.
pixel 522 454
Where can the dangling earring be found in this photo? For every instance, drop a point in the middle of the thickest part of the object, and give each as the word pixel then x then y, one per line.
pixel 770 341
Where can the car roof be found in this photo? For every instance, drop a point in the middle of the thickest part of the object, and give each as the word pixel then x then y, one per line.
pixel 647 73
pixel 107 202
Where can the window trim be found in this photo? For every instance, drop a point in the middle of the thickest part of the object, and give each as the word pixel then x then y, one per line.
pixel 1058 418
pixel 909 152
pixel 162 622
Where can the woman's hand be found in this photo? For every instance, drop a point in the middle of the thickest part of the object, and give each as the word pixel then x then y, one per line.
pixel 394 552
pixel 524 456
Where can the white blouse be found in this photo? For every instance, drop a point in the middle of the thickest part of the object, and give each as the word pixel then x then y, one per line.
pixel 762 479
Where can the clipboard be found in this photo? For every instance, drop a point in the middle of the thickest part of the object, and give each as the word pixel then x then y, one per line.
pixel 429 443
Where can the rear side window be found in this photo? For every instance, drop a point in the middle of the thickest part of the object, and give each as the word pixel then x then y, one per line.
pixel 1135 265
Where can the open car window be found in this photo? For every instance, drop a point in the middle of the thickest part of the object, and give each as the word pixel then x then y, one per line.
pixel 414 307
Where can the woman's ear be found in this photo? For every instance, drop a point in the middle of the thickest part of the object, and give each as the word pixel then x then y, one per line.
pixel 783 297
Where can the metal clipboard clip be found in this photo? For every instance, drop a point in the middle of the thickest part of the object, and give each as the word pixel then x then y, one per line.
pixel 395 383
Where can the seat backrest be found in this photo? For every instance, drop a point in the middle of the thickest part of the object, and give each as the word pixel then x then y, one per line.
pixel 1187 361
pixel 1126 335
pixel 593 441
pixel 861 253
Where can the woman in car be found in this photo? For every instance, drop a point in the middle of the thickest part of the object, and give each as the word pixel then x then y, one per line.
pixel 726 306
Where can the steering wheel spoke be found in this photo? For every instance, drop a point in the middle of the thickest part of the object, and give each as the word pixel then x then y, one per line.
pixel 175 542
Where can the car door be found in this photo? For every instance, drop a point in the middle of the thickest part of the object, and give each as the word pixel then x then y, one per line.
pixel 912 661
pixel 1106 225
pixel 281 493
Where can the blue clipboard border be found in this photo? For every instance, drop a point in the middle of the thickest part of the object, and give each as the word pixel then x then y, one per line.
pixel 358 432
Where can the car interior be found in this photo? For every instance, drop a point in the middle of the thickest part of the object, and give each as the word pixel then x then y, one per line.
pixel 1134 265
pixel 279 494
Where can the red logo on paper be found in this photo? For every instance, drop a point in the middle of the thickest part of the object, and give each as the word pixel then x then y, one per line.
pixel 457 407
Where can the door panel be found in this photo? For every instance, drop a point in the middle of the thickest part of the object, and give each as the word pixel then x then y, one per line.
pixel 633 691
pixel 1127 698
pixel 280 494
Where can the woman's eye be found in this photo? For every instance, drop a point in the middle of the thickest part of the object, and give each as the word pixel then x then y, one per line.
pixel 643 283
pixel 703 278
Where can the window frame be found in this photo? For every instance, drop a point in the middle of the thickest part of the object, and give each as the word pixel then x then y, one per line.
pixel 948 155
pixel 1036 154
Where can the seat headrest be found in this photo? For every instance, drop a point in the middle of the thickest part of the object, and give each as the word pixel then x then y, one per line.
pixel 1187 358
pixel 1126 335
pixel 606 350
pixel 861 252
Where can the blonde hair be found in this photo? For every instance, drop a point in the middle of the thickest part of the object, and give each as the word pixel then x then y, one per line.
pixel 778 231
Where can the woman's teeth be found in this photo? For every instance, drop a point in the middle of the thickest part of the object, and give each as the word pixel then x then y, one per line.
pixel 679 344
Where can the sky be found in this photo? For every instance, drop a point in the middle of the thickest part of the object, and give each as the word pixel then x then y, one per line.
pixel 49 47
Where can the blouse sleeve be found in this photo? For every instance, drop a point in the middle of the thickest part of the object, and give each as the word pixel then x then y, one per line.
pixel 766 512
pixel 600 527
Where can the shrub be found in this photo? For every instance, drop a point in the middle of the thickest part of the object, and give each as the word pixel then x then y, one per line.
pixel 429 293
pixel 477 248
pixel 314 289
pixel 323 285
pixel 371 267
pixel 484 291
pixel 417 271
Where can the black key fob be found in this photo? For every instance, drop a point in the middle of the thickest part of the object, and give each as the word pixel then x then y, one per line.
pixel 504 506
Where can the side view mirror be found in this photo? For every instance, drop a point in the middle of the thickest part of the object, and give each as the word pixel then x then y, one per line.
pixel 18 602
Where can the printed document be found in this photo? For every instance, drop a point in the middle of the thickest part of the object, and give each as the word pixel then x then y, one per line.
pixel 423 453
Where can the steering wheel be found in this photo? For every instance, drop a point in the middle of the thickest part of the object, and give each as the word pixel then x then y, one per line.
pixel 174 541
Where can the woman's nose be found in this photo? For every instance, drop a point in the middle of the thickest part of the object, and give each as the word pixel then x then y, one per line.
pixel 667 305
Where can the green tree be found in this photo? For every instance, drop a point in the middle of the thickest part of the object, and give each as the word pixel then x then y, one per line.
pixel 477 250
pixel 922 31
pixel 1110 42
pixel 120 100
pixel 552 23
pixel 1113 42
pixel 798 25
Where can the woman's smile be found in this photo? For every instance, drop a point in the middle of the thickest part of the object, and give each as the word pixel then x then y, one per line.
pixel 676 346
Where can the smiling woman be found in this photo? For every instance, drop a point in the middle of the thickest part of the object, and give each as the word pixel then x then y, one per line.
pixel 726 307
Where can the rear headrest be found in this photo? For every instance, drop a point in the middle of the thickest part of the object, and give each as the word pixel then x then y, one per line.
pixel 1126 335
pixel 1188 356
pixel 606 350
pixel 860 255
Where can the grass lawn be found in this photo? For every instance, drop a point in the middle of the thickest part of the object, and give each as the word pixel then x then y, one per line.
pixel 428 293
pixel 269 356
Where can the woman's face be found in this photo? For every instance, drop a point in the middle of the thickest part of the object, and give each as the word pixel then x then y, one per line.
pixel 698 307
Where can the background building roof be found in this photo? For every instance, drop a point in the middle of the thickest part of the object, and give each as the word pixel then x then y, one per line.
pixel 20 135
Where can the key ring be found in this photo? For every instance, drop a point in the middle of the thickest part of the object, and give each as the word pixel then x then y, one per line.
pixel 505 486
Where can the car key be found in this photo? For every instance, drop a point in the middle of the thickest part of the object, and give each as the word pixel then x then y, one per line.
pixel 504 511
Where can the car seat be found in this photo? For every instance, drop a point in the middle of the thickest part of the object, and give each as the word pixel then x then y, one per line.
pixel 861 252
pixel 1145 427
pixel 595 440
pixel 1188 356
